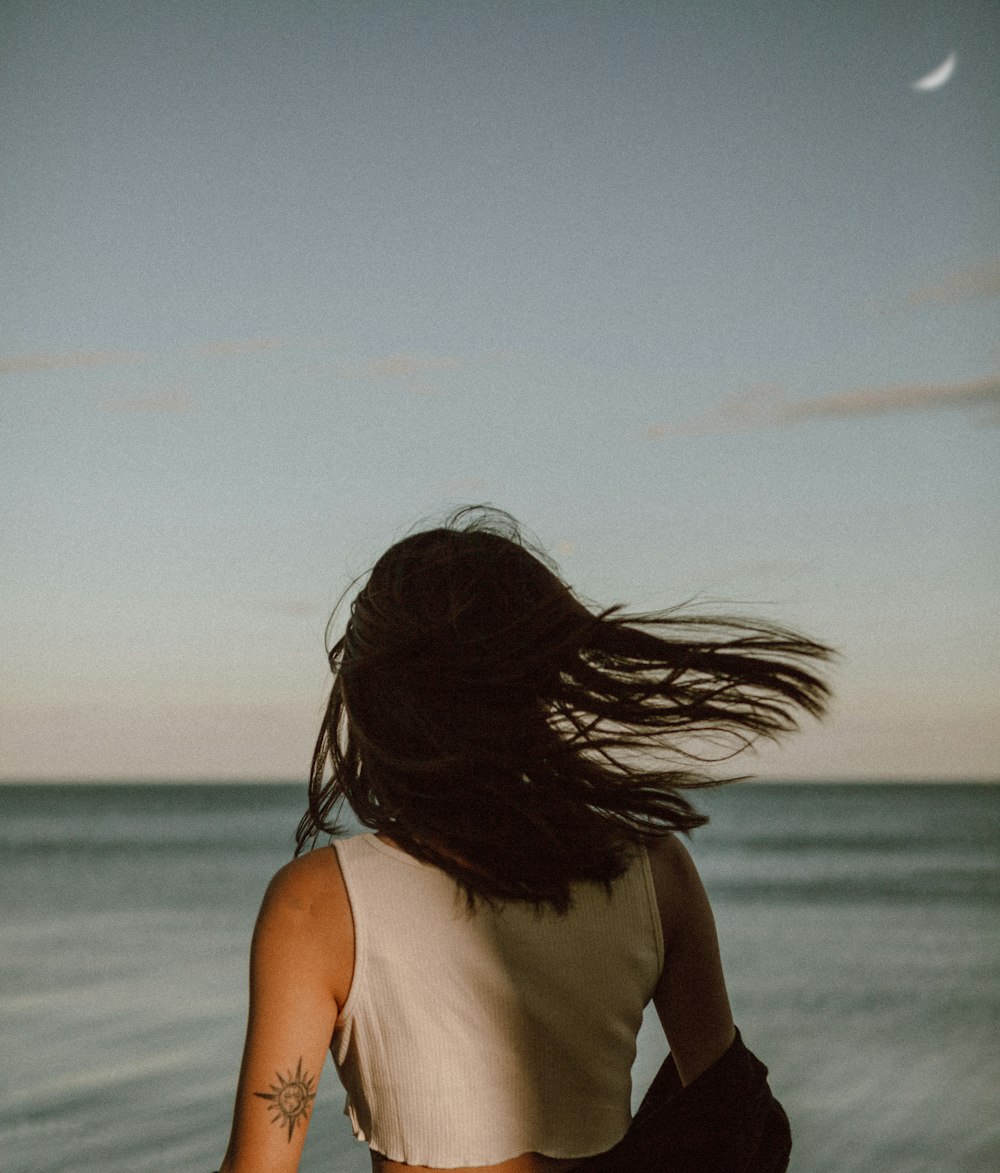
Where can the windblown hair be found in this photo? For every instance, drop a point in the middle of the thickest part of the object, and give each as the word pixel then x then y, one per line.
pixel 490 723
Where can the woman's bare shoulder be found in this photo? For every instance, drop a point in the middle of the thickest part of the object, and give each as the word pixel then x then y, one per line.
pixel 306 911
pixel 310 885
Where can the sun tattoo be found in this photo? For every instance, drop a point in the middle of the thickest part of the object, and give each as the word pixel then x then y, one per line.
pixel 290 1098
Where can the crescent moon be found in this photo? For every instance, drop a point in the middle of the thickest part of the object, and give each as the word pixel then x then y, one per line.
pixel 937 77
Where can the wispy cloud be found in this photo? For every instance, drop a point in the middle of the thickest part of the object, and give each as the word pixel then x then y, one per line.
pixel 227 347
pixel 19 364
pixel 369 373
pixel 407 370
pixel 397 366
pixel 173 400
pixel 975 282
pixel 411 372
pixel 769 405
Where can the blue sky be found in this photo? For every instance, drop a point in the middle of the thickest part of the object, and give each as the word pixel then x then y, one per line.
pixel 705 294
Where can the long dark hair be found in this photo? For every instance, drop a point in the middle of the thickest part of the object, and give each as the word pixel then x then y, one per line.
pixel 491 723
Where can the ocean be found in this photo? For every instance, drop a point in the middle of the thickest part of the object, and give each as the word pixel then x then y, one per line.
pixel 860 931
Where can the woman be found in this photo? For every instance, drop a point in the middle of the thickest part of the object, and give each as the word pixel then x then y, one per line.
pixel 479 961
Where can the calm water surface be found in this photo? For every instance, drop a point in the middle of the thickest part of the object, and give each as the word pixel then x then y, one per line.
pixel 859 926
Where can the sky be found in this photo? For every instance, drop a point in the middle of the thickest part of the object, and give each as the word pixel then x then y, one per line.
pixel 704 293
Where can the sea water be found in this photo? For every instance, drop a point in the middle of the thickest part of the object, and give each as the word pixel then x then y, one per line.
pixel 859 929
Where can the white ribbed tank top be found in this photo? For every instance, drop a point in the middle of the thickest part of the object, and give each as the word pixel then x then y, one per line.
pixel 468 1040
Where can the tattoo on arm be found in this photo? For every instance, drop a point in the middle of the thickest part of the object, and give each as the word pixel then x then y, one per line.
pixel 290 1098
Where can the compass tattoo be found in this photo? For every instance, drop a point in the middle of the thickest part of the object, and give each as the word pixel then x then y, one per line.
pixel 290 1098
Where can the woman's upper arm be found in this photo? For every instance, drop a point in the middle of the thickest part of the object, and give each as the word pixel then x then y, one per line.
pixel 691 998
pixel 296 965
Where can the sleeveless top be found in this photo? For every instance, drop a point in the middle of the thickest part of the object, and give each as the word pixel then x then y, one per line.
pixel 468 1039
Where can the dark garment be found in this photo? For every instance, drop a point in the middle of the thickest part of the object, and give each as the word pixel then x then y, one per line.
pixel 725 1121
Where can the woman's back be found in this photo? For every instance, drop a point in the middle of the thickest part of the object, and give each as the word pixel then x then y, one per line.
pixel 470 1037
pixel 654 912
